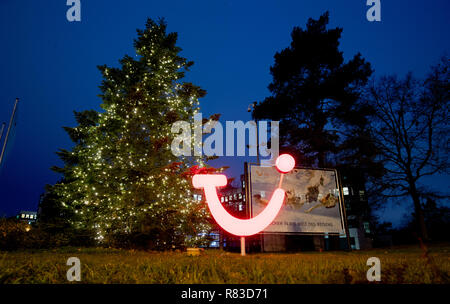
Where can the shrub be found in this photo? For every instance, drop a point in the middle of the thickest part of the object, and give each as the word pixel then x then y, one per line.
pixel 16 235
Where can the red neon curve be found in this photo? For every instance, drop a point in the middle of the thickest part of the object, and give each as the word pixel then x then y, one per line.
pixel 228 222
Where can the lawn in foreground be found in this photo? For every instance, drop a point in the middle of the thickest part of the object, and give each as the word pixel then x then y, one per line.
pixel 400 265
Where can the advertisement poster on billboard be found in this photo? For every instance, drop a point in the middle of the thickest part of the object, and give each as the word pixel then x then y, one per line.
pixel 312 203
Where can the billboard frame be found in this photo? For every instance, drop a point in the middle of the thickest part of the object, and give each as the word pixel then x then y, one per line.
pixel 342 211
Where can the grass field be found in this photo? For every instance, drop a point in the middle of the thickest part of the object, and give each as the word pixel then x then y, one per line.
pixel 398 265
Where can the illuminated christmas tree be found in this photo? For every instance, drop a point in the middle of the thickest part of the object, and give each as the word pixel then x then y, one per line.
pixel 121 179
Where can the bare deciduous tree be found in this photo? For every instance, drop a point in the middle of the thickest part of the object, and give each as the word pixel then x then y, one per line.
pixel 410 129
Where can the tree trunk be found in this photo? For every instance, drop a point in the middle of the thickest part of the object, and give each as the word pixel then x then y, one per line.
pixel 321 159
pixel 419 214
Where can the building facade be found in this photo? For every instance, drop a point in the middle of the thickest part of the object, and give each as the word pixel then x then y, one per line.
pixel 27 216
pixel 357 208
pixel 357 216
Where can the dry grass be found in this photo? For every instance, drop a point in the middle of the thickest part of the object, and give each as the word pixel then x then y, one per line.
pixel 400 265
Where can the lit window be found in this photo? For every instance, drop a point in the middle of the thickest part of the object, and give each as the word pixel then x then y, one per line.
pixel 361 195
pixel 241 207
pixel 367 227
pixel 195 196
pixel 27 216
pixel 199 197
pixel 221 199
pixel 240 195
pixel 23 215
pixel 345 190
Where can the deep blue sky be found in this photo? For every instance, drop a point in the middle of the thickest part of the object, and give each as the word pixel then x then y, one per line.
pixel 50 63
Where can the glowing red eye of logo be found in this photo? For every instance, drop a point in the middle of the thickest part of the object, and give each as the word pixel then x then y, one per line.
pixel 285 163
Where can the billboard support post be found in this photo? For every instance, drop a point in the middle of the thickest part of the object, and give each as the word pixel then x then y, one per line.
pixel 242 245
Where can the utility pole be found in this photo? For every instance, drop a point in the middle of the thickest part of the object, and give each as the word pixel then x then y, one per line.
pixel 251 107
pixel 9 129
pixel 1 132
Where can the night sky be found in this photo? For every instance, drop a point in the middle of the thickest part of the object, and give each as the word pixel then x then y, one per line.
pixel 50 63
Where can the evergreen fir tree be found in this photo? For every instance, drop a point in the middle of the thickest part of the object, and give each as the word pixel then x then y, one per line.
pixel 315 95
pixel 121 179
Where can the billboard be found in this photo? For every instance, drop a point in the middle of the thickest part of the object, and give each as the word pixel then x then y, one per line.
pixel 312 203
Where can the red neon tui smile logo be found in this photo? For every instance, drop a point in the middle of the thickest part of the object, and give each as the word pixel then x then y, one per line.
pixel 241 227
